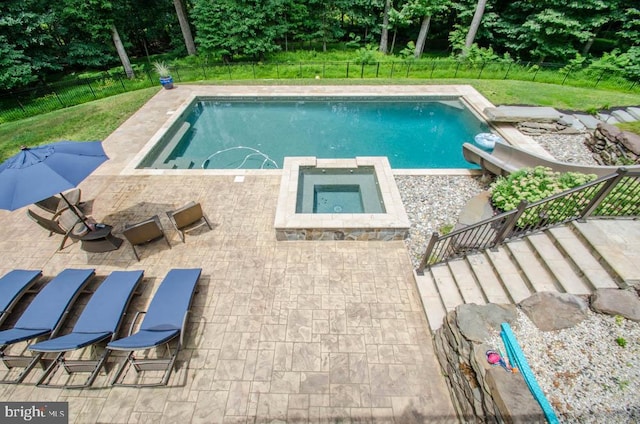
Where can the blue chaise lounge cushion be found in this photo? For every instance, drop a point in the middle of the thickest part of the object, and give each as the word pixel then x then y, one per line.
pixel 13 284
pixel 101 317
pixel 46 310
pixel 166 312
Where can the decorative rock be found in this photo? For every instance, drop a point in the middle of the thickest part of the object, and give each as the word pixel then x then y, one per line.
pixel 630 140
pixel 609 131
pixel 617 302
pixel 615 147
pixel 572 121
pixel 477 322
pixel 551 311
pixel 538 126
pixel 512 397
pixel 477 209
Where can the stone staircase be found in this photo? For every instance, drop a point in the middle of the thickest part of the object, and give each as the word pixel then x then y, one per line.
pixel 575 258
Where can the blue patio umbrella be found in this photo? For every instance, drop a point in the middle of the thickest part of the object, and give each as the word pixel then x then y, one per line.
pixel 36 173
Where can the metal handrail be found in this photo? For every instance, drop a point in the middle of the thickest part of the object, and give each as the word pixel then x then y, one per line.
pixel 621 190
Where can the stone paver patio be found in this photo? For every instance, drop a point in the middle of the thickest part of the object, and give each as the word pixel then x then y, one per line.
pixel 279 332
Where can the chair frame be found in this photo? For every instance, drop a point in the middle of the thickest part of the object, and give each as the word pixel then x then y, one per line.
pixel 128 228
pixel 155 364
pixel 56 205
pixel 161 363
pixel 33 275
pixel 28 362
pixel 53 226
pixel 92 366
pixel 193 224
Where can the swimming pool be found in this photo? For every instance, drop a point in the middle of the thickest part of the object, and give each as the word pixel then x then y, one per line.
pixel 257 133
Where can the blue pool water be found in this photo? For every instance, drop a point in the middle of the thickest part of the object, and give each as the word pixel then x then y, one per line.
pixel 337 198
pixel 254 134
pixel 338 190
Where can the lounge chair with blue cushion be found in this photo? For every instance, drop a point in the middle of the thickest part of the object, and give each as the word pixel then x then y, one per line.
pixel 43 317
pixel 13 285
pixel 100 320
pixel 164 321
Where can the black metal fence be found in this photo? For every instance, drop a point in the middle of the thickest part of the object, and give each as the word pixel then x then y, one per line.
pixel 615 195
pixel 44 98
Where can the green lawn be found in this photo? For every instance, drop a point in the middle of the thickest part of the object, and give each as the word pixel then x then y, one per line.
pixel 97 119
pixel 631 126
pixel 89 121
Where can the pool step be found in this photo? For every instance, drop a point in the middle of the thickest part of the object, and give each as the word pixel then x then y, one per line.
pixel 576 258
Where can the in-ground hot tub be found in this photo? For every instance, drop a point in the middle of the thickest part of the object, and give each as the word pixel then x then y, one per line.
pixel 339 199
pixel 338 190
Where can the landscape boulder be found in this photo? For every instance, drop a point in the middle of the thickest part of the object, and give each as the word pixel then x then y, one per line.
pixel 617 302
pixel 551 311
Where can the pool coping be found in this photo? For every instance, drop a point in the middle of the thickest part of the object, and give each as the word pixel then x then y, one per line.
pixel 471 97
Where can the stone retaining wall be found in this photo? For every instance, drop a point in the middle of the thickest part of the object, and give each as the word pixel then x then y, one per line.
pixel 613 146
pixel 481 392
pixel 487 393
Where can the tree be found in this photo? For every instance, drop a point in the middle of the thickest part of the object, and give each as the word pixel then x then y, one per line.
pixel 15 69
pixel 475 23
pixel 396 20
pixel 231 28
pixel 122 53
pixel 93 24
pixel 184 26
pixel 384 37
pixel 551 29
pixel 28 49
pixel 630 31
pixel 423 10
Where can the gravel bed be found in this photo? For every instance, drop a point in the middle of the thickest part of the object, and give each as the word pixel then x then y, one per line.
pixel 585 374
pixel 433 202
pixel 567 148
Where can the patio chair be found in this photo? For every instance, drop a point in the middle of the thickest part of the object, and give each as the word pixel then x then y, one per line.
pixel 100 320
pixel 43 317
pixel 164 322
pixel 13 285
pixel 55 204
pixel 66 224
pixel 188 218
pixel 144 232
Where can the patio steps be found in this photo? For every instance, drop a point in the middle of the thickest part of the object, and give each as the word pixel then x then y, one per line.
pixel 576 258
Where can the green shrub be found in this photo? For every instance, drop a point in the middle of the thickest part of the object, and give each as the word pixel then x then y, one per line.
pixel 533 185
pixel 537 184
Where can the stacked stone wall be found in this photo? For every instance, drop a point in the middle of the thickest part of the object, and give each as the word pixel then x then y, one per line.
pixel 612 146
pixel 482 392
pixel 485 393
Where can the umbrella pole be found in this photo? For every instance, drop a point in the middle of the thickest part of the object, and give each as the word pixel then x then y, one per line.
pixel 75 211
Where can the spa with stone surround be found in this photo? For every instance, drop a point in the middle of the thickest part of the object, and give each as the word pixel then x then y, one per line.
pixel 339 199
